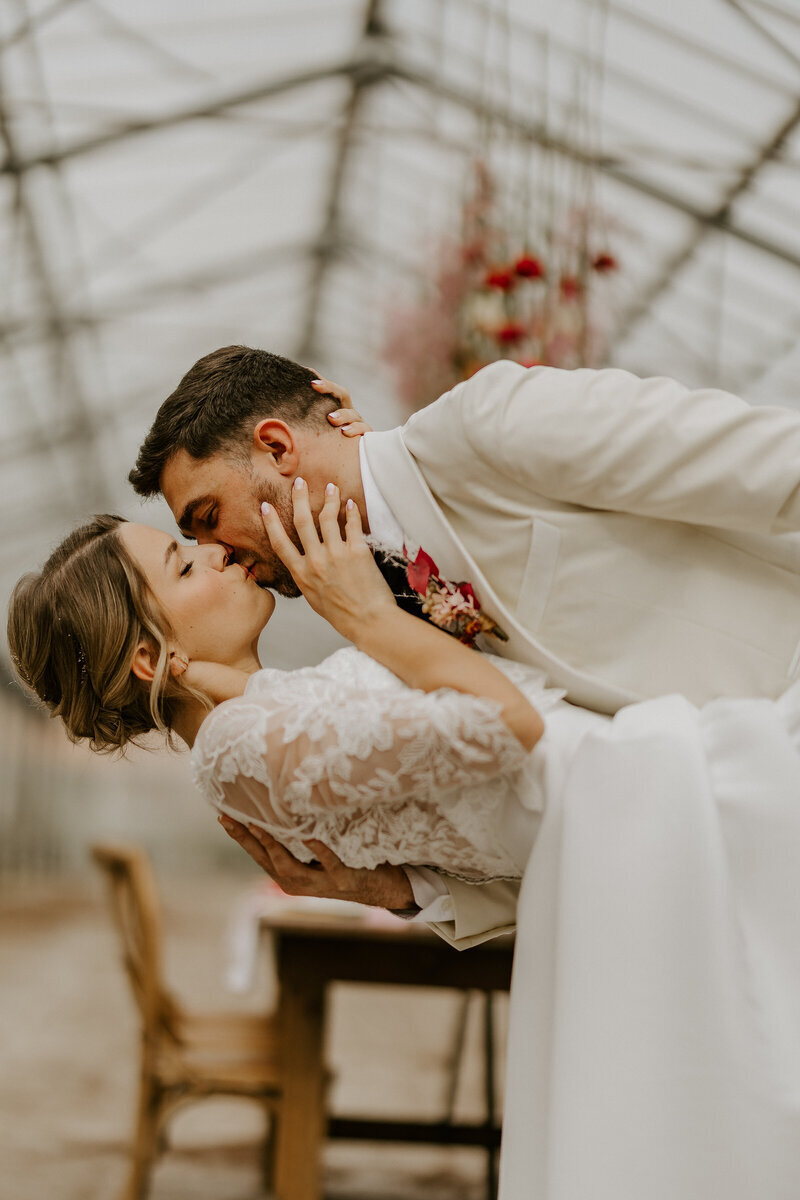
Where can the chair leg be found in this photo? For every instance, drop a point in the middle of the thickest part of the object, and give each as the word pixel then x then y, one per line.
pixel 146 1139
pixel 268 1149
pixel 488 1051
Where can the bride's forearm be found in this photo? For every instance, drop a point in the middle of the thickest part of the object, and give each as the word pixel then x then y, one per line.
pixel 426 658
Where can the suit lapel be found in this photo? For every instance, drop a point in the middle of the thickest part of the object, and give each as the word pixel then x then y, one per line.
pixel 405 491
pixel 411 501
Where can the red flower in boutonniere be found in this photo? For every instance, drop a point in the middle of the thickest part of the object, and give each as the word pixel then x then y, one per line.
pixel 453 607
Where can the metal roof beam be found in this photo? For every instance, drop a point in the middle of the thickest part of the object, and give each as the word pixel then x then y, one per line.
pixel 65 375
pixel 370 68
pixel 739 67
pixel 364 68
pixel 233 270
pixel 541 39
pixel 718 219
pixel 327 245
pixel 777 44
pixel 536 131
pixel 777 10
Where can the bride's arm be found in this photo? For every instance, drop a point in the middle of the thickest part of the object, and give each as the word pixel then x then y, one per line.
pixel 339 578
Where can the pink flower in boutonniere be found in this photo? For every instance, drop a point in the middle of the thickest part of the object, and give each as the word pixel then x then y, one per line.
pixel 453 607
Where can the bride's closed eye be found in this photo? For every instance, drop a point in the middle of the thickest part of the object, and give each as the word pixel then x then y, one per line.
pixel 186 568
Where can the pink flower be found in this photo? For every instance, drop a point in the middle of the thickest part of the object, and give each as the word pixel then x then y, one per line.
pixel 472 253
pixel 570 287
pixel 443 606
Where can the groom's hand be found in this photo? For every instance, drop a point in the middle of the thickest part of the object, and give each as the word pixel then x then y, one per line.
pixel 383 887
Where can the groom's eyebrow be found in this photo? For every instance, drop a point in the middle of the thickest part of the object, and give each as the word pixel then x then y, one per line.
pixel 187 516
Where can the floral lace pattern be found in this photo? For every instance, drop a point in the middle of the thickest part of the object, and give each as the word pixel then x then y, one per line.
pixel 346 753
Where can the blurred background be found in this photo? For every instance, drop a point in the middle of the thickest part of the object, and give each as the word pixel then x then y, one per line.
pixel 393 192
pixel 337 182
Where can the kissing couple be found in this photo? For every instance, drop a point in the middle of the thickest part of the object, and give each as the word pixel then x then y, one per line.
pixel 570 704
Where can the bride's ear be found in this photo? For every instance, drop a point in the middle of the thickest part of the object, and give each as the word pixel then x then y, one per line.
pixel 144 662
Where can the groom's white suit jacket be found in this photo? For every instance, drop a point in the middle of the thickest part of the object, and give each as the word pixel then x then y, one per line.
pixel 633 538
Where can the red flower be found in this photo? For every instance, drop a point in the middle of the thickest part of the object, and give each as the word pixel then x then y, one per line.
pixel 570 287
pixel 512 332
pixel 532 362
pixel 605 262
pixel 500 277
pixel 419 572
pixel 529 267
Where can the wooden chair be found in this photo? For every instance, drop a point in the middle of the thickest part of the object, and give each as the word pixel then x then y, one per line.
pixel 184 1056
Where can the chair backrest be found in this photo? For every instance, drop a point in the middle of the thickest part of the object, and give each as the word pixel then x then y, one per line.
pixel 134 902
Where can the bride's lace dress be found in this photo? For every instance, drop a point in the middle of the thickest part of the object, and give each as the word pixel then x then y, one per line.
pixel 346 753
pixel 654 1031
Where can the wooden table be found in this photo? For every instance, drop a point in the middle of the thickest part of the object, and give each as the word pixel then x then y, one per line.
pixel 313 952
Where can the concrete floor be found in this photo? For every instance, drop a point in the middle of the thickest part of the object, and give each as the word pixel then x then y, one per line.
pixel 68 1054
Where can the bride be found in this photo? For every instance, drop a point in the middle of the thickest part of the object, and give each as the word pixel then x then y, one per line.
pixel 654 1044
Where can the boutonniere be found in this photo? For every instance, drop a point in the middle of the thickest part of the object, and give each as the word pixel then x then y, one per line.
pixel 453 607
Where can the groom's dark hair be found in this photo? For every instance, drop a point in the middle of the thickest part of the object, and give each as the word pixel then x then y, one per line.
pixel 217 403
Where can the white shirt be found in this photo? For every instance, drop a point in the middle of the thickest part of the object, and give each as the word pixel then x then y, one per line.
pixel 430 890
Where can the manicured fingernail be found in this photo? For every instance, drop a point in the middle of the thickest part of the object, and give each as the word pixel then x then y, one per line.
pixel 225 823
pixel 350 504
pixel 330 488
pixel 314 382
pixel 266 508
pixel 299 483
pixel 344 428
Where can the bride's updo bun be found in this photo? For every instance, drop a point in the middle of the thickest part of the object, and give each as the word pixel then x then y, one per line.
pixel 73 630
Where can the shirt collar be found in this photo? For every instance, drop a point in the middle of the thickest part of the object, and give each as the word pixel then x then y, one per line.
pixel 384 527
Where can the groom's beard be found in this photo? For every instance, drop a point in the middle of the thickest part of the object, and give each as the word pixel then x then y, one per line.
pixel 268 569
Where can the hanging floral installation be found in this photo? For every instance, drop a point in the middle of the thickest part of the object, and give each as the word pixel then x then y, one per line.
pixel 496 292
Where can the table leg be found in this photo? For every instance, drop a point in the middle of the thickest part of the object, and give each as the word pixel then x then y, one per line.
pixel 301 1128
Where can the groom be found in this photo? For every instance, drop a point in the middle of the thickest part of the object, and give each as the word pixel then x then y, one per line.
pixel 630 537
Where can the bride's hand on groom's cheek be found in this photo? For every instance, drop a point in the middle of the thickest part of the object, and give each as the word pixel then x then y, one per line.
pixel 383 887
pixel 337 575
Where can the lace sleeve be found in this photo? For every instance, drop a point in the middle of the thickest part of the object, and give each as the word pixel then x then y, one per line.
pixel 311 746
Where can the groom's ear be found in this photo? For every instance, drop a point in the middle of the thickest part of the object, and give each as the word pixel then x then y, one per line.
pixel 277 440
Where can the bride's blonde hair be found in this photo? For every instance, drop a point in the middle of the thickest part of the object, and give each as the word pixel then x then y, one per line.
pixel 74 628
